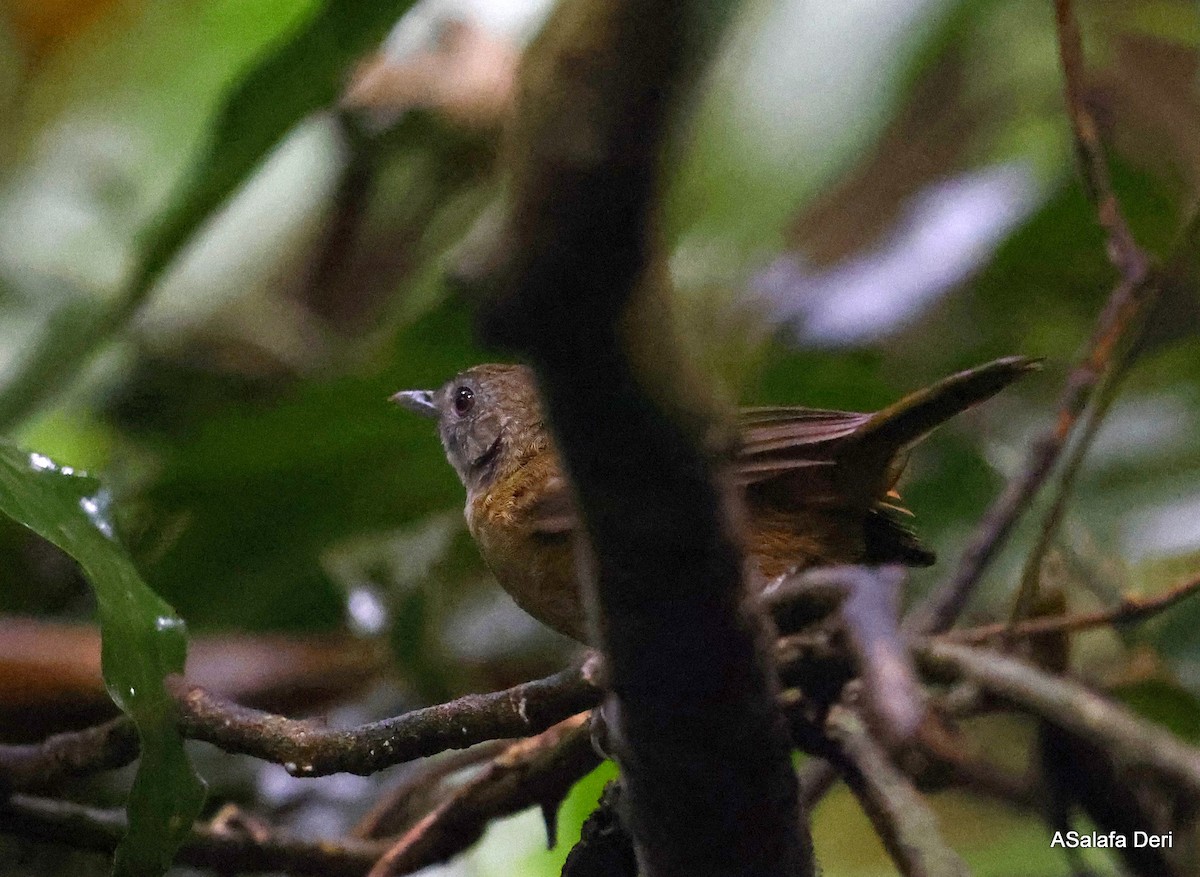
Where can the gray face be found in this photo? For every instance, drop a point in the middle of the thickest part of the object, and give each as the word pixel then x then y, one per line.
pixel 477 413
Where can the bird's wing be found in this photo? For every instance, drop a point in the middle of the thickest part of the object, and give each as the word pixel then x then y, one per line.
pixel 785 441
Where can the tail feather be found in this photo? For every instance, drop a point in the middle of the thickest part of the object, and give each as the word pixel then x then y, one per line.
pixel 916 415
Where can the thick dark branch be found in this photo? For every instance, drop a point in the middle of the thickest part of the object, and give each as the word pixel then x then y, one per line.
pixel 307 748
pixel 575 275
pixel 1068 705
pixel 64 823
pixel 901 817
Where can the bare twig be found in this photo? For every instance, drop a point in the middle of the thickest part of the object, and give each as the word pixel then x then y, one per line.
pixel 1070 706
pixel 1126 304
pixel 1123 250
pixel 901 817
pixel 1031 575
pixel 74 825
pixel 1131 609
pixel 537 771
pixel 1129 259
pixel 306 748
pixel 1135 291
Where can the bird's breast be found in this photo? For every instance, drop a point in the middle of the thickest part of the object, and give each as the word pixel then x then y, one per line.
pixel 536 569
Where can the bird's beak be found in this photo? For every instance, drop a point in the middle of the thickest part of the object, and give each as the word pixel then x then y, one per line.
pixel 417 401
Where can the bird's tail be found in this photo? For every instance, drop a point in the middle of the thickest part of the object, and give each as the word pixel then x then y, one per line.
pixel 906 422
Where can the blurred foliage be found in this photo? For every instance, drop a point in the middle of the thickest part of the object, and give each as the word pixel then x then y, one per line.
pixel 212 276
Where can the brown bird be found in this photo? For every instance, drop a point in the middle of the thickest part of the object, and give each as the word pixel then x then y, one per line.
pixel 819 485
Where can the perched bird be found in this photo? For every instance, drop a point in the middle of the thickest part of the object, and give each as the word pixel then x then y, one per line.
pixel 819 485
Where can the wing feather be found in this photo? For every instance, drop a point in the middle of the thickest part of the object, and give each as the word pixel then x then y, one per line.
pixel 777 442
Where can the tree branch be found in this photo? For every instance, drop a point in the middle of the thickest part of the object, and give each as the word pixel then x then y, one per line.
pixel 537 771
pixel 1068 705
pixel 1128 303
pixel 108 746
pixel 402 805
pixel 307 748
pixel 1124 307
pixel 1031 575
pixel 901 817
pixel 87 828
pixel 1123 251
pixel 1130 610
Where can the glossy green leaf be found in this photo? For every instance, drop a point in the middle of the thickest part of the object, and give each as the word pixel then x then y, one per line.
pixel 143 641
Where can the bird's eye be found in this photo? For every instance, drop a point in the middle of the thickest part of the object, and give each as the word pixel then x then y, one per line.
pixel 464 400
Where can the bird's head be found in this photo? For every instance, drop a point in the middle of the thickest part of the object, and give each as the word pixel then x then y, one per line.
pixel 489 419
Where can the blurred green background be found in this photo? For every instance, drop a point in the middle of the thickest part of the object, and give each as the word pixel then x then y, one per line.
pixel 224 232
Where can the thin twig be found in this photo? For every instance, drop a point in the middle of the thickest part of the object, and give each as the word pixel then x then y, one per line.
pixel 1126 256
pixel 1131 297
pixel 1027 591
pixel 947 602
pixel 1066 704
pixel 900 815
pixel 74 825
pixel 537 771
pixel 1131 609
pixel 1123 250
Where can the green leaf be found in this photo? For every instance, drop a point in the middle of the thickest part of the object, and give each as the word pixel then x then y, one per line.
pixel 143 640
pixel 303 74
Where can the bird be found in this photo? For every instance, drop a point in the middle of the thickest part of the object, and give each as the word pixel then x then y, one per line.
pixel 818 485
